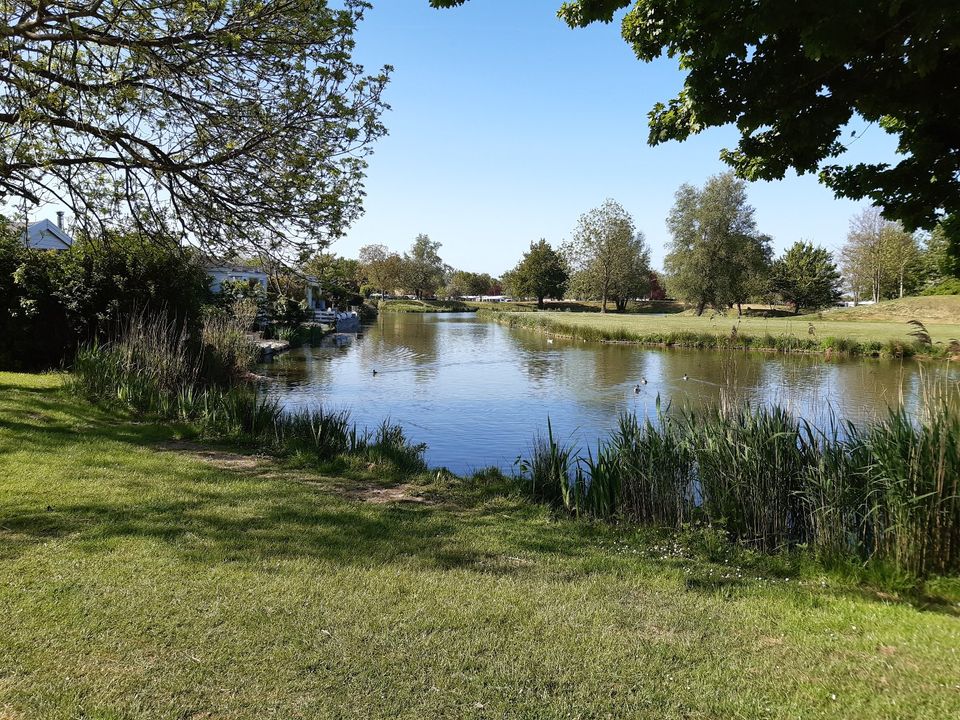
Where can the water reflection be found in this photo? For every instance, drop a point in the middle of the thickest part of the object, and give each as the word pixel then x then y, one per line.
pixel 477 392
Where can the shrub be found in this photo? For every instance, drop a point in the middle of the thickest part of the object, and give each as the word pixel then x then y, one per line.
pixel 53 302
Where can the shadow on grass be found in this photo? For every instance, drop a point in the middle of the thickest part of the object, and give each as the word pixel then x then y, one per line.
pixel 122 486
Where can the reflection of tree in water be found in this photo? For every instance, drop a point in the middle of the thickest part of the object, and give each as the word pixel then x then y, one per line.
pixel 415 334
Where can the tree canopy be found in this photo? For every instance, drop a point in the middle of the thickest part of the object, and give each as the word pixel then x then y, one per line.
pixel 239 125
pixel 716 255
pixel 608 258
pixel 880 259
pixel 791 76
pixel 541 273
pixel 806 277
pixel 424 270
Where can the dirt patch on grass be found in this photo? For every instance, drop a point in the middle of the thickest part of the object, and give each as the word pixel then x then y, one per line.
pixel 222 459
pixel 378 495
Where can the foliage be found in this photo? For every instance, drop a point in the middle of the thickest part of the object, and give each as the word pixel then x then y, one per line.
pixel 608 258
pixel 950 286
pixel 382 268
pixel 241 124
pixel 880 259
pixel 942 262
pixel 228 352
pixel 806 277
pixel 423 270
pixel 463 283
pixel 54 301
pixel 340 278
pixel 716 256
pixel 887 492
pixel 792 81
pixel 541 273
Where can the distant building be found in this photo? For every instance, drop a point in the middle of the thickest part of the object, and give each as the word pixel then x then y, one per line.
pixel 46 235
pixel 220 274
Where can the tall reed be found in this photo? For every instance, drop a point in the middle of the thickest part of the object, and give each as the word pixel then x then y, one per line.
pixel 150 367
pixel 886 492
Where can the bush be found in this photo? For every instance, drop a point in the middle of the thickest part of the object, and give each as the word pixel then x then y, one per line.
pixel 54 302
pixel 950 286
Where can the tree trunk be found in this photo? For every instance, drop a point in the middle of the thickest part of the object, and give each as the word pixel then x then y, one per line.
pixel 540 302
pixel 739 310
pixel 700 306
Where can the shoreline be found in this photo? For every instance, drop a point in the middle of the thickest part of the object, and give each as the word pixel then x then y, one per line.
pixel 701 340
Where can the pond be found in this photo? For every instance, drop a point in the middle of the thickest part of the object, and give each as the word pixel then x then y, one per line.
pixel 477 392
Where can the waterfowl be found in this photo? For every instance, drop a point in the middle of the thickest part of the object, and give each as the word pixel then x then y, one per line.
pixel 637 389
pixel 643 381
pixel 685 377
pixel 550 341
pixel 374 372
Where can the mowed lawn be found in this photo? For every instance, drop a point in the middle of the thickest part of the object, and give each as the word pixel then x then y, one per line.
pixel 142 580
pixel 883 322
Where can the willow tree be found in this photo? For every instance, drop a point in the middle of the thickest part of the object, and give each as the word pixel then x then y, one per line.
pixel 715 256
pixel 240 125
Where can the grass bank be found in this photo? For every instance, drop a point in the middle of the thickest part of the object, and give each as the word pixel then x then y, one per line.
pixel 633 307
pixel 424 306
pixel 805 333
pixel 140 580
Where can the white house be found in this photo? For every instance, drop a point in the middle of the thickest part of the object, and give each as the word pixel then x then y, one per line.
pixel 221 273
pixel 45 235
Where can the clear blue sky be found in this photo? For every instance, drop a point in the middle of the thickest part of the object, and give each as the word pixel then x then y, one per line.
pixel 506 125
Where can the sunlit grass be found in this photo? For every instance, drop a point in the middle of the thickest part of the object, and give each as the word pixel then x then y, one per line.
pixel 141 582
pixel 784 334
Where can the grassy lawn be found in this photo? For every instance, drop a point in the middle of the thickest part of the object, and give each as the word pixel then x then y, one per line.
pixel 424 306
pixel 881 323
pixel 943 309
pixel 144 580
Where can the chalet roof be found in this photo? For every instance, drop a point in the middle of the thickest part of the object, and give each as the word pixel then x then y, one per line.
pixel 42 232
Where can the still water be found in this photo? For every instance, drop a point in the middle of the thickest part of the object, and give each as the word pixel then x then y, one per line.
pixel 477 392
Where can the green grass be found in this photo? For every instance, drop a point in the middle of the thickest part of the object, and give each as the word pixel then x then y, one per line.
pixel 141 582
pixel 424 306
pixel 928 309
pixel 806 333
pixel 646 306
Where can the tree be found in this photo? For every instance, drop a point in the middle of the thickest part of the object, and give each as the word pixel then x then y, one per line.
pixel 383 268
pixel 806 277
pixel 541 273
pixel 424 271
pixel 631 278
pixel 791 77
pixel 339 277
pixel 464 283
pixel 716 256
pixel 242 124
pixel 607 256
pixel 880 259
pixel 939 262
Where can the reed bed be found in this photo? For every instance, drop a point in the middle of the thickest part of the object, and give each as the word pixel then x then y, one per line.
pixel 151 368
pixel 887 492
